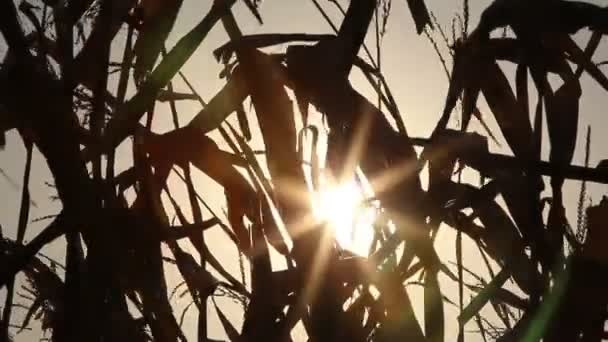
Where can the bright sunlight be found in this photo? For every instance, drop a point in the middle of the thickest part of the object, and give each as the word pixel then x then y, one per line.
pixel 345 209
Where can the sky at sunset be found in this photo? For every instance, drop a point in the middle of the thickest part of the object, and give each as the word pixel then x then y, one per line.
pixel 417 81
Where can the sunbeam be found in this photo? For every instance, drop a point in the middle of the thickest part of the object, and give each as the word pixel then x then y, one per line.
pixel 347 212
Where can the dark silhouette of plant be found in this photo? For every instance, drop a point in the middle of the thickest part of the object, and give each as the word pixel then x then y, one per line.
pixel 114 285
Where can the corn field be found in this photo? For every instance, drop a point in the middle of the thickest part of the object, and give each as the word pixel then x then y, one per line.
pixel 85 106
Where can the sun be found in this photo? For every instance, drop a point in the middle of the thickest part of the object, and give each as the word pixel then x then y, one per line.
pixel 343 207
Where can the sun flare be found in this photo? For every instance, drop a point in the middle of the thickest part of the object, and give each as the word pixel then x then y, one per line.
pixel 343 207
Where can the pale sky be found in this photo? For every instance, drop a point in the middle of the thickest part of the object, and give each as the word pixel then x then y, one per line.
pixel 412 70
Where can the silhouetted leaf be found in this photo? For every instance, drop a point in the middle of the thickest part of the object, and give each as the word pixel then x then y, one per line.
pixel 400 322
pixel 463 58
pixel 578 56
pixel 262 311
pixel 521 88
pixel 177 147
pixel 256 41
pixel 158 19
pixel 34 307
pixel 87 59
pixel 166 96
pixel 483 297
pixel 500 238
pixel 123 123
pixel 253 7
pixel 186 231
pixel 420 14
pixel 512 120
pixel 226 101
pixel 469 102
pixel 434 328
pixel 505 296
pixel 562 121
pixel 230 330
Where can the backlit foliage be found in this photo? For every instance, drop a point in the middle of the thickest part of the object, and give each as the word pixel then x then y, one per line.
pixel 113 286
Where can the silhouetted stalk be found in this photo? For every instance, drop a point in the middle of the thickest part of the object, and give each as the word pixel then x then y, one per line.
pixel 378 49
pixel 198 240
pixel 121 125
pixel 97 117
pixel 209 209
pixel 268 108
pixel 275 114
pixel 25 193
pixel 200 99
pixel 70 330
pixel 123 83
pixel 210 259
pixel 253 168
pixel 459 262
pixel 466 15
pixel 326 17
pixel 482 330
pixel 204 251
pixel 11 30
pixel 389 100
pixel 20 259
pixel 437 25
pixel 437 51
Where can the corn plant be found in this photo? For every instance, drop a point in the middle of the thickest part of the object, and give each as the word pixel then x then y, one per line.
pixel 124 228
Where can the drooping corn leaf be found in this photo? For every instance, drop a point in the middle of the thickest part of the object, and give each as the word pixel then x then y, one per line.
pixel 512 120
pixel 264 188
pixel 186 145
pixel 256 41
pixel 275 116
pixel 562 17
pixel 516 51
pixel 521 195
pixel 562 108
